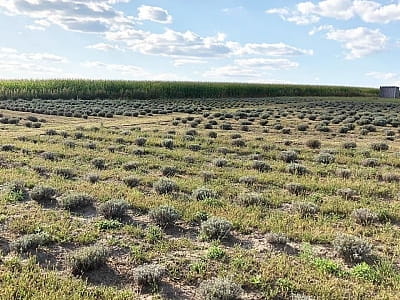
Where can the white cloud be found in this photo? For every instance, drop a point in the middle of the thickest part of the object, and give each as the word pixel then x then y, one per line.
pixel 179 44
pixel 253 69
pixel 103 47
pixel 267 63
pixel 369 11
pixel 120 31
pixel 13 54
pixel 320 28
pixel 189 45
pixel 232 72
pixel 384 78
pixel 293 16
pixel 35 27
pixel 301 19
pixel 125 35
pixel 278 11
pixel 155 14
pixel 118 71
pixel 77 15
pixel 359 42
pixel 124 69
pixel 16 64
pixel 338 9
pixel 374 12
pixel 42 23
pixel 15 69
pixel 182 62
pixel 279 49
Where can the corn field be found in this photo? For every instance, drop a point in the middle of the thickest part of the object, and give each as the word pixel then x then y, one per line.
pixel 109 89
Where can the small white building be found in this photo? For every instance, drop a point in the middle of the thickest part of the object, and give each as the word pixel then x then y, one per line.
pixel 389 92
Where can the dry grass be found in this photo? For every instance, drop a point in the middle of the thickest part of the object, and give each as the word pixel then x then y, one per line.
pixel 263 268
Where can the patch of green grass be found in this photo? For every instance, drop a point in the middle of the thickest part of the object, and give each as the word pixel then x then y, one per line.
pixel 154 234
pixel 328 266
pixel 109 224
pixel 215 252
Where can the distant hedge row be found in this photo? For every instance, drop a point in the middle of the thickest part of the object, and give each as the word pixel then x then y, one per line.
pixel 113 89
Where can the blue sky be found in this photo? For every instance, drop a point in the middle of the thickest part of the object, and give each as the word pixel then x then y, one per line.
pixel 338 42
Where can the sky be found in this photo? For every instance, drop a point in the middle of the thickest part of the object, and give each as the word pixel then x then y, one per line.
pixel 334 42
